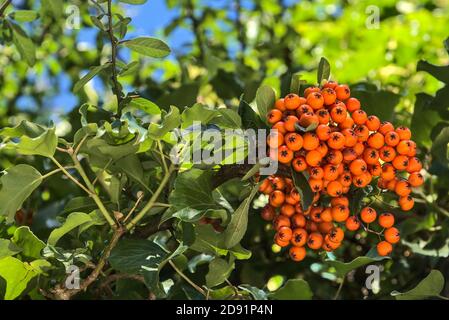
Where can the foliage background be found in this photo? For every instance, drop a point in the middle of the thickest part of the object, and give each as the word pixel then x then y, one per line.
pixel 221 50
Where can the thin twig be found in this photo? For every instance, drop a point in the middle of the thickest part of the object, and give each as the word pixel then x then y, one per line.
pixel 4 6
pixel 68 175
pixel 133 208
pixel 115 84
pixel 339 288
pixel 164 163
pixel 193 284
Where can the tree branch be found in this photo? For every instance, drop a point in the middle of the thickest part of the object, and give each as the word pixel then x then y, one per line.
pixel 4 7
pixel 116 87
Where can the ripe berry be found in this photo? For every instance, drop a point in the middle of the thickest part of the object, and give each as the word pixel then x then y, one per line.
pixel 416 179
pixel 340 213
pixel 352 223
pixel 353 104
pixel 315 241
pixel 292 101
pixel 274 116
pixel 386 220
pixel 299 164
pixel 297 253
pixel 392 235
pixel 342 92
pixel 336 235
pixel 299 237
pixel 315 100
pixel 384 248
pixel 293 141
pixel 368 215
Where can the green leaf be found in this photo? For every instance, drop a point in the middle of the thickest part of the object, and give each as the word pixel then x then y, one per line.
pixel 17 183
pixel 132 167
pixel 23 43
pixel 236 228
pixel 250 119
pixel 296 83
pixel 8 248
pixel 133 1
pixel 89 76
pixel 24 15
pixel 303 187
pixel 227 118
pixel 439 72
pixel 310 127
pixel 324 70
pixel 423 120
pixel 219 271
pixel 30 244
pixel 294 289
pixel 342 268
pixel 265 100
pixel 170 121
pixel 147 46
pixel 145 105
pixel 129 69
pixel 440 147
pixel 198 112
pixel 198 181
pixel 31 139
pixel 18 274
pixel 430 287
pixel 54 8
pixel 74 220
pixel 256 293
pixel 376 102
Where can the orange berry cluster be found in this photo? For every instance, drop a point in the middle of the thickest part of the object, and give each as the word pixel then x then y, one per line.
pixel 327 136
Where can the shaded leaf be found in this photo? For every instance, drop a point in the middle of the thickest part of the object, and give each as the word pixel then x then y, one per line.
pixel 148 46
pixel 430 287
pixel 293 289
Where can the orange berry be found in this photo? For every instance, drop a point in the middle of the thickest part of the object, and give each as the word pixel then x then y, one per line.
pixel 392 139
pixel 359 148
pixel 299 164
pixel 323 116
pixel 308 119
pixel 352 223
pixel 384 248
pixel 392 235
pixel 348 123
pixel 339 113
pixel 414 165
pixel 326 215
pixel 404 133
pixel 334 157
pixel 357 167
pixel 292 101
pixel 284 233
pixel 406 203
pixel 349 155
pixel 268 213
pixel 281 221
pixel 323 132
pixel 385 127
pixel 293 141
pixel 279 126
pixel 353 104
pixel 388 172
pixel 402 188
pixel 336 140
pixel 277 182
pixel 303 108
pixel 350 137
pixel 342 92
pixel 375 169
pixel 346 180
pixel 315 100
pixel 309 90
pixel 275 139
pixel 330 84
pixel 368 215
pixel 344 201
pixel 359 117
pixel 400 162
pixel 298 220
pixel 277 198
pixel 376 140
pixel 387 153
pixel 288 210
pixel 340 213
pixel 313 158
pixel 329 96
pixel 329 245
pixel 336 235
pixel 280 104
pixel 315 241
pixel 373 123
pixel 285 155
pixel 290 122
pixel 274 116
pixel 371 156
pixel 386 220
pixel 325 227
pixel 297 253
pixel 334 189
pixel 416 179
pixel 362 132
pixel 316 173
pixel 316 184
pixel 310 141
